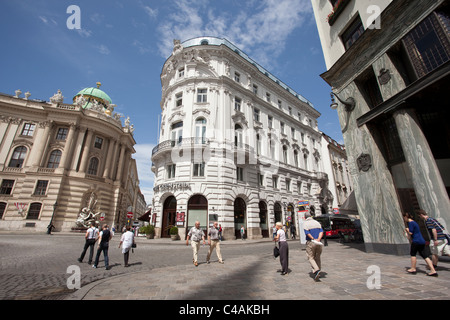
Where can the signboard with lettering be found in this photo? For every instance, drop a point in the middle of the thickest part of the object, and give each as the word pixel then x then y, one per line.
pixel 303 203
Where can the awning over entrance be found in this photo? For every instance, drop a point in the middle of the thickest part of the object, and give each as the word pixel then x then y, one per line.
pixel 146 216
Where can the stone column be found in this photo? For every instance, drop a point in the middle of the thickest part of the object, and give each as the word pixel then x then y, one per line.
pixel 78 148
pixel 427 181
pixel 68 147
pixel 109 159
pixel 86 149
pixel 121 161
pixel 41 141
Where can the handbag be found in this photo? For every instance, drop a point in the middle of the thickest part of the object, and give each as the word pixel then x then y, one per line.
pixel 133 245
pixel 276 251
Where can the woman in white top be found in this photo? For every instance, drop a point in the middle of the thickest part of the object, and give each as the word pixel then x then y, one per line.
pixel 126 241
pixel 284 249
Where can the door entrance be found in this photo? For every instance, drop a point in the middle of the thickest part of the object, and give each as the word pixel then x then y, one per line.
pixel 169 216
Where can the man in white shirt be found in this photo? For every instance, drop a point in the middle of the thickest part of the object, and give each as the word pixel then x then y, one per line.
pixel 196 234
pixel 91 237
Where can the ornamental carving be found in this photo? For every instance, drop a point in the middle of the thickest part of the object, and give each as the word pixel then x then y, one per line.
pixel 364 162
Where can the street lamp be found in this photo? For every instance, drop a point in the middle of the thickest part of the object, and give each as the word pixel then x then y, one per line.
pixel 50 225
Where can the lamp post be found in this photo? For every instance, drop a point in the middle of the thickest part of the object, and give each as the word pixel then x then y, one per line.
pixel 50 225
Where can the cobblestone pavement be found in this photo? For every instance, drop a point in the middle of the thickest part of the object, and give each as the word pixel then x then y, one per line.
pixel 34 267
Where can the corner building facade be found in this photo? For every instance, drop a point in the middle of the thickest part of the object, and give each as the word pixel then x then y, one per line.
pixel 236 145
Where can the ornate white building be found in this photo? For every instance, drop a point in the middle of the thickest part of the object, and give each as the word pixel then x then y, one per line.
pixel 236 144
pixel 58 160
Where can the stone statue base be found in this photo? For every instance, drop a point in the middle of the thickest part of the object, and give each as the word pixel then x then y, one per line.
pixel 79 229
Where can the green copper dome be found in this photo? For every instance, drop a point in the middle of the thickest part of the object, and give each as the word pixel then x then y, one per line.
pixel 91 94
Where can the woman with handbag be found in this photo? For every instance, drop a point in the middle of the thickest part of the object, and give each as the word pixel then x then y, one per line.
pixel 284 248
pixel 127 242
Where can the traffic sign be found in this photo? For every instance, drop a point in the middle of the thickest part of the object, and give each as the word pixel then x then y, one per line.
pixel 130 215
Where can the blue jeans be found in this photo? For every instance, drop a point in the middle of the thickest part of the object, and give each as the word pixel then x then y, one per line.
pixel 105 255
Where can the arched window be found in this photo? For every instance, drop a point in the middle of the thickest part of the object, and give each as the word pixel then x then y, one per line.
pixel 34 212
pixel 200 131
pixel 177 133
pixel 18 157
pixel 296 158
pixel 55 158
pixel 258 145
pixel 93 166
pixel 238 140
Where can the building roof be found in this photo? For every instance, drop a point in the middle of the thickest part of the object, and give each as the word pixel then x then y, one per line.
pixel 95 93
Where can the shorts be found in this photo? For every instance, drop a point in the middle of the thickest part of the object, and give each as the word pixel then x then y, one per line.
pixel 422 249
pixel 441 249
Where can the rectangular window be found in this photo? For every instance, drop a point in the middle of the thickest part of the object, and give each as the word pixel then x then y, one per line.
pixel 428 44
pixel 41 188
pixel 260 180
pixel 62 134
pixel 353 32
pixel 290 111
pixel 255 89
pixel 98 142
pixel 293 133
pixel 181 73
pixel 240 174
pixel 256 114
pixel 270 122
pixel 275 182
pixel 299 187
pixel 179 99
pixel 28 129
pixel 237 77
pixel 171 171
pixel 202 95
pixel 268 97
pixel 288 184
pixel 280 104
pixel 237 104
pixel 199 169
pixel 7 186
pixel 282 127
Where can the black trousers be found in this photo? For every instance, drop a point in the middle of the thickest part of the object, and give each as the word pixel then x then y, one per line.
pixel 284 256
pixel 88 244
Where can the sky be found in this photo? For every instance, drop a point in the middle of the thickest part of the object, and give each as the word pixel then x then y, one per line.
pixel 124 44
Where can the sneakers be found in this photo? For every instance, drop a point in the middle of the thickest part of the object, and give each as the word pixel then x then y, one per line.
pixel 316 275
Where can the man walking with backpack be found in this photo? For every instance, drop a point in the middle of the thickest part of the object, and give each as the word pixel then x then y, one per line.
pixel 103 245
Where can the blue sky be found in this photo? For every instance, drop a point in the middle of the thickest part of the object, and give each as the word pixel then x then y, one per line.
pixel 124 44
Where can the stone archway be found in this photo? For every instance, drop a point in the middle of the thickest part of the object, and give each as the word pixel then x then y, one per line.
pixel 169 216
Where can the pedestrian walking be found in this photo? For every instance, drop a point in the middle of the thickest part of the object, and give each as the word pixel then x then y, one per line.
pixel 274 231
pixel 242 232
pixel 196 234
pixel 126 241
pixel 284 248
pixel 90 239
pixel 439 244
pixel 103 245
pixel 293 231
pixel 417 245
pixel 214 242
pixel 314 232
pixel 220 232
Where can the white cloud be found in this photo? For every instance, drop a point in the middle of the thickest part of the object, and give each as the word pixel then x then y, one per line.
pixel 253 26
pixel 84 33
pixel 103 49
pixel 152 13
pixel 143 157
